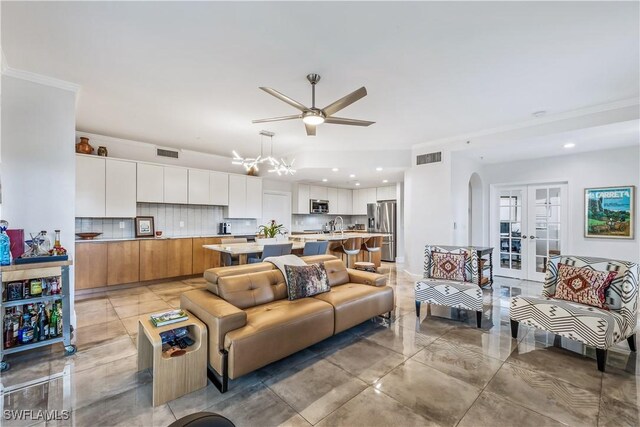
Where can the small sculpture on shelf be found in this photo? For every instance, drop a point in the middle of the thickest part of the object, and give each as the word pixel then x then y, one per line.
pixel 38 245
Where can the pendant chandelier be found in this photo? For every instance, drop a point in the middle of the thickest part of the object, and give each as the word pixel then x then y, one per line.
pixel 281 167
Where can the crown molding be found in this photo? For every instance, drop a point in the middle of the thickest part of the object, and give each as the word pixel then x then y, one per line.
pixel 565 115
pixel 38 78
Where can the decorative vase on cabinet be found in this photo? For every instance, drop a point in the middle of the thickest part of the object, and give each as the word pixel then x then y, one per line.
pixel 102 151
pixel 83 147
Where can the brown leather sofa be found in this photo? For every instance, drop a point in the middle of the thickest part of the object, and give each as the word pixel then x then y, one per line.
pixel 251 323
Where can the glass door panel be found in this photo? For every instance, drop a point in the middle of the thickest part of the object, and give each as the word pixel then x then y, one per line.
pixel 510 212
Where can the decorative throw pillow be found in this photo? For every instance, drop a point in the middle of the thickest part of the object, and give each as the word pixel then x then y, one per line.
pixel 305 281
pixel 448 266
pixel 583 285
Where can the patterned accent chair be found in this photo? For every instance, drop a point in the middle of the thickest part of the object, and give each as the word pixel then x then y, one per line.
pixel 590 325
pixel 464 295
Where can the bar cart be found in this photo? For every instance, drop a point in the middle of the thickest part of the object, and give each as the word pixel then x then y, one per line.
pixel 16 273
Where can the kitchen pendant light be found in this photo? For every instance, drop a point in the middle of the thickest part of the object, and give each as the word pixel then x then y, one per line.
pixel 281 167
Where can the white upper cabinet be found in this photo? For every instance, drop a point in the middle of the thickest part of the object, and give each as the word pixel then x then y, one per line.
pixel 361 198
pixel 150 183
pixel 300 199
pixel 318 193
pixel 355 209
pixel 90 186
pixel 199 182
pixel 219 188
pixel 370 197
pixel 386 193
pixel 175 185
pixel 332 197
pixel 254 197
pixel 120 192
pixel 345 201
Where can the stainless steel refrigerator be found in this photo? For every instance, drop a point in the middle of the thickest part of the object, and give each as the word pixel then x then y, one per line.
pixel 382 219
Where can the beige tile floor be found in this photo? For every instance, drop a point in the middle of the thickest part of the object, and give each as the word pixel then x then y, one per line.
pixel 427 371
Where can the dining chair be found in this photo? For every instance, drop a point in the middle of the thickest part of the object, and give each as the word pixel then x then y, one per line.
pixel 315 248
pixel 272 250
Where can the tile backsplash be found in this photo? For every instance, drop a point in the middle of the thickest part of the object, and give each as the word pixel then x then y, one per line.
pixel 197 221
pixel 316 222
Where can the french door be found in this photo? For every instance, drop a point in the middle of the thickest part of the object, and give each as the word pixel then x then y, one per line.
pixel 529 224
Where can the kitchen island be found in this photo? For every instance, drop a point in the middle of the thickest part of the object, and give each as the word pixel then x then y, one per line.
pixel 334 240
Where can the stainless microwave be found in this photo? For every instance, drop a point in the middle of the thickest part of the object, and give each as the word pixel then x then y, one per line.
pixel 318 206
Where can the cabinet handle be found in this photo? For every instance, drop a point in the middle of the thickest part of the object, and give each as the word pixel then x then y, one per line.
pixel 532 237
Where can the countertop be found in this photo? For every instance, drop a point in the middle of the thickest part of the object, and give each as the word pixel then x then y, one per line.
pixel 337 236
pixel 124 239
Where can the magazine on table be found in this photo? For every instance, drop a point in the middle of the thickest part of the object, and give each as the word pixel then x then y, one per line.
pixel 168 317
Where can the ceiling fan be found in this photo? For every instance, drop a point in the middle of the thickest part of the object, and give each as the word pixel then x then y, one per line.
pixel 314 116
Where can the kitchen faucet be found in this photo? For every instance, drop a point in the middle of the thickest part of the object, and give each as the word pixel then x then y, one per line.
pixel 335 221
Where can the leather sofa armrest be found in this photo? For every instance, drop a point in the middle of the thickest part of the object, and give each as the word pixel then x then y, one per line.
pixel 220 317
pixel 366 278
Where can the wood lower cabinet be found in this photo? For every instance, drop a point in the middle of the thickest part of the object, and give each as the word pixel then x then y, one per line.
pixel 123 262
pixel 179 257
pixel 204 259
pixel 153 259
pixel 90 265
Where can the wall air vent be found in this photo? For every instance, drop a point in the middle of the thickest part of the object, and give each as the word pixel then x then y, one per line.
pixel 423 159
pixel 163 152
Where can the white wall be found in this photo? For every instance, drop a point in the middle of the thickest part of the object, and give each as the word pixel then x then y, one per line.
pixel 604 168
pixel 38 160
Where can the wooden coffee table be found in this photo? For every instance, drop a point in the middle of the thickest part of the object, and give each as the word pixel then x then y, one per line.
pixel 173 376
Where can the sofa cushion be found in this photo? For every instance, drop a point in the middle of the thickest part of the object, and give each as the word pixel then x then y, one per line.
pixel 305 281
pixel 354 303
pixel 337 272
pixel 276 330
pixel 583 285
pixel 592 326
pixel 448 266
pixel 248 290
pixel 212 275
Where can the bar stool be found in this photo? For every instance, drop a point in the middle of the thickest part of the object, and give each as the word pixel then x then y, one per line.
pixel 372 244
pixel 349 247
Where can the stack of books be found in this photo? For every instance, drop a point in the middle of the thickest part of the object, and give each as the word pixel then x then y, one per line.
pixel 168 317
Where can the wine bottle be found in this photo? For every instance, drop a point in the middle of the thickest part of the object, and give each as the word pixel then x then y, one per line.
pixel 53 321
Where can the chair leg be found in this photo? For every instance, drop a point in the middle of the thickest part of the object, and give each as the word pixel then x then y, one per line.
pixel 601 356
pixel 514 328
pixel 417 308
pixel 479 318
pixel 632 342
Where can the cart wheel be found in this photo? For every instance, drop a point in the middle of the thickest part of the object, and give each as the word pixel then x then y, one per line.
pixel 4 366
pixel 69 350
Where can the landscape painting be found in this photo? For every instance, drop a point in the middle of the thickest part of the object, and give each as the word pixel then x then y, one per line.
pixel 609 212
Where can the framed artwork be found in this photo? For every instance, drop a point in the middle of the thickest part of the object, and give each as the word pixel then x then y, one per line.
pixel 144 226
pixel 609 212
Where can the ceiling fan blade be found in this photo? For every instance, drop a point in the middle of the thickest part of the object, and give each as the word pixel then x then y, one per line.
pixel 343 121
pixel 285 98
pixel 277 119
pixel 311 129
pixel 345 101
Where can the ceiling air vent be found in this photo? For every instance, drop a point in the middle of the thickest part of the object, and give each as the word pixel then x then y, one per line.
pixel 163 152
pixel 423 159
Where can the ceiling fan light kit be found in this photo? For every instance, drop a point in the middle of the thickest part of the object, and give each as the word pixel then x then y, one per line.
pixel 312 117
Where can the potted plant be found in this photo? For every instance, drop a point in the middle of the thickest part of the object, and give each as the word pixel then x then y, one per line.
pixel 268 233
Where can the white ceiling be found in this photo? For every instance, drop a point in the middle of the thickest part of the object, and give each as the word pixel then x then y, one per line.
pixel 186 75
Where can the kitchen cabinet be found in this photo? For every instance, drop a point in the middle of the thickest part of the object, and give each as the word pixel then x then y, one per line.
pixel 254 197
pixel 245 197
pixel 90 265
pixel 179 257
pixel 199 183
pixel 345 201
pixel 90 186
pixel 123 262
pixel 370 197
pixel 153 259
pixel 318 193
pixel 150 183
pixel 300 199
pixel 219 188
pixel 386 193
pixel 204 259
pixel 356 204
pixel 332 198
pixel 120 194
pixel 361 198
pixel 175 185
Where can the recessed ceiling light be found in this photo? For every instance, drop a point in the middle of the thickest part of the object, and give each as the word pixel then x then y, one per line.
pixel 378 168
pixel 324 180
pixel 335 169
pixel 357 184
pixel 569 145
pixel 353 175
pixel 384 181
